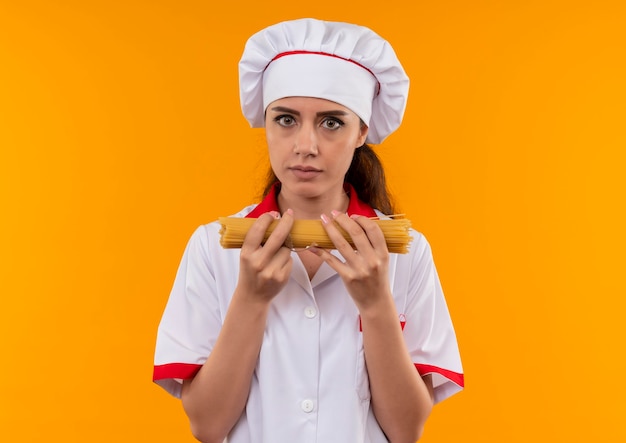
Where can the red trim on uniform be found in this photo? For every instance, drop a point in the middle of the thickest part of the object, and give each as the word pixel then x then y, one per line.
pixel 283 54
pixel 183 371
pixel 402 322
pixel 454 377
pixel 356 206
pixel 270 203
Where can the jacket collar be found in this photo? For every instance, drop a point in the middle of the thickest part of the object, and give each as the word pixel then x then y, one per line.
pixel 270 203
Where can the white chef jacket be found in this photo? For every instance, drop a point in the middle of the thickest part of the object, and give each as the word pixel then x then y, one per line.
pixel 310 383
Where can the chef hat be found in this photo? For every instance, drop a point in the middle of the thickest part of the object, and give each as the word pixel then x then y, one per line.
pixel 345 63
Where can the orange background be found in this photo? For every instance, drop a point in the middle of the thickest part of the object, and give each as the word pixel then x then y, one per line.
pixel 120 132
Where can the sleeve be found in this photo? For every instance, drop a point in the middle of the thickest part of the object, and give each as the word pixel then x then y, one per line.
pixel 191 320
pixel 428 329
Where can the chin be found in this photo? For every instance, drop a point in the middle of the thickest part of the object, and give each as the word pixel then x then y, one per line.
pixel 305 189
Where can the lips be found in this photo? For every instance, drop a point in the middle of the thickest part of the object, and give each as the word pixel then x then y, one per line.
pixel 305 172
pixel 305 168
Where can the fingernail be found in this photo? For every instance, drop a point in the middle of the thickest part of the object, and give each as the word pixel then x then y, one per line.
pixel 313 248
pixel 354 216
pixel 275 214
pixel 289 211
pixel 325 218
pixel 335 213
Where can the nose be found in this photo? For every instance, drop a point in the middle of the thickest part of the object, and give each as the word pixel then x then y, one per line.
pixel 305 142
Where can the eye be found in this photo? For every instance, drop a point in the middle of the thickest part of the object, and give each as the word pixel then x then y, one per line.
pixel 332 123
pixel 285 120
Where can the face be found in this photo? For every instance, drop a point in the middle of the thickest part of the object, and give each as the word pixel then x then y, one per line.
pixel 311 143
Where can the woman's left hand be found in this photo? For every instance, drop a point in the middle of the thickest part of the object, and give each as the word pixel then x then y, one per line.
pixel 365 271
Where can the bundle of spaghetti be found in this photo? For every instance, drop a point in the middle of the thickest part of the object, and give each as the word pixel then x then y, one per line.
pixel 311 232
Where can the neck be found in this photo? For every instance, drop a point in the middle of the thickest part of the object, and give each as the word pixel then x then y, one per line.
pixel 312 207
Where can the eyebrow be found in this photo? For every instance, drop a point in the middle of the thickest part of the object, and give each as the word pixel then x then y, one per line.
pixel 337 112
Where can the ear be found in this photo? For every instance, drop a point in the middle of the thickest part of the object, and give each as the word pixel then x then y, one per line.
pixel 363 131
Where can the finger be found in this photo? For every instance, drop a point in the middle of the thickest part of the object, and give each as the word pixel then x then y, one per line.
pixel 329 258
pixel 255 235
pixel 274 266
pixel 360 239
pixel 281 232
pixel 282 260
pixel 277 258
pixel 373 231
pixel 332 230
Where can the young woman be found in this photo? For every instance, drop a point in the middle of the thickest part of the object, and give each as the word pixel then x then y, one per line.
pixel 269 344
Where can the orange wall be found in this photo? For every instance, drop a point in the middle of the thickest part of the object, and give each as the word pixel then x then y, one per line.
pixel 120 132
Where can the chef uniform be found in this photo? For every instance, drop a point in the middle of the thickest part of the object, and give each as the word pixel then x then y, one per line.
pixel 310 383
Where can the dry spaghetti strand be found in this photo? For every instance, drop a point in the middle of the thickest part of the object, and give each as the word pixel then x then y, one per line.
pixel 307 232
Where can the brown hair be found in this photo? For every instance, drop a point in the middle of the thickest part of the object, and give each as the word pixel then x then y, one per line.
pixel 366 174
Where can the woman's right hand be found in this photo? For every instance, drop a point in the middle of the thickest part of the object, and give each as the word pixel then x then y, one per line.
pixel 216 396
pixel 264 268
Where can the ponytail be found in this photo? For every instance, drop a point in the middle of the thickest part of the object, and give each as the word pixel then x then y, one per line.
pixel 367 176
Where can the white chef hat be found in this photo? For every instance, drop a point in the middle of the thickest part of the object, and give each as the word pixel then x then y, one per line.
pixel 345 63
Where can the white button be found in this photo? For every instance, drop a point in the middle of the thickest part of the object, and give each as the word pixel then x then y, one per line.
pixel 310 312
pixel 307 405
